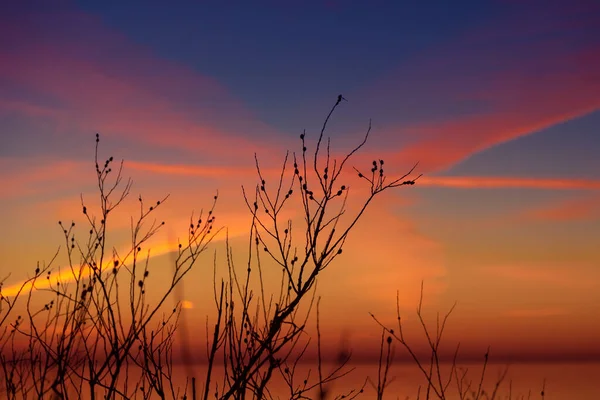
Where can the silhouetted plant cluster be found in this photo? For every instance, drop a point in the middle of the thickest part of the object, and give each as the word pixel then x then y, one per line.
pixel 437 382
pixel 98 324
pixel 96 334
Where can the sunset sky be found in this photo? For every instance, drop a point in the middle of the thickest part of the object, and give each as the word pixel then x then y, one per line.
pixel 498 101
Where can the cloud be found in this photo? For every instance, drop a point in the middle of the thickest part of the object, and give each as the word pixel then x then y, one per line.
pixel 66 275
pixel 573 275
pixel 499 182
pixel 27 108
pixel 451 142
pixel 70 67
pixel 579 209
pixel 388 253
pixel 32 177
pixel 542 312
pixel 460 182
pixel 191 170
pixel 506 79
pixel 164 242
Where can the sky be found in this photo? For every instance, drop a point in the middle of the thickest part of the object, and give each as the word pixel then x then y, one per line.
pixel 498 101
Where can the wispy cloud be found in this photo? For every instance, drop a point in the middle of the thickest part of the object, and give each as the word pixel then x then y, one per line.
pixel 542 312
pixel 460 182
pixel 446 144
pixel 579 209
pixel 508 79
pixel 88 77
pixel 66 275
pixel 191 170
pixel 27 177
pixel 574 275
pixel 390 254
pixel 500 182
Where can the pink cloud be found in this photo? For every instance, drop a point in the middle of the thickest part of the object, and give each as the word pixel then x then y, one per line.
pixel 462 182
pixel 191 170
pixel 19 177
pixel 506 80
pixel 24 107
pixel 449 143
pixel 93 79
pixel 500 182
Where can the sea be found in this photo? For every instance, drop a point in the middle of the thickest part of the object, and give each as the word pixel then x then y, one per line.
pixel 551 381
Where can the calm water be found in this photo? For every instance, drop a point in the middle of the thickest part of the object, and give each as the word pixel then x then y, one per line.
pixel 562 381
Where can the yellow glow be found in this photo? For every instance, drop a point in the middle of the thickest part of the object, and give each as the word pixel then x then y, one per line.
pixel 186 304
